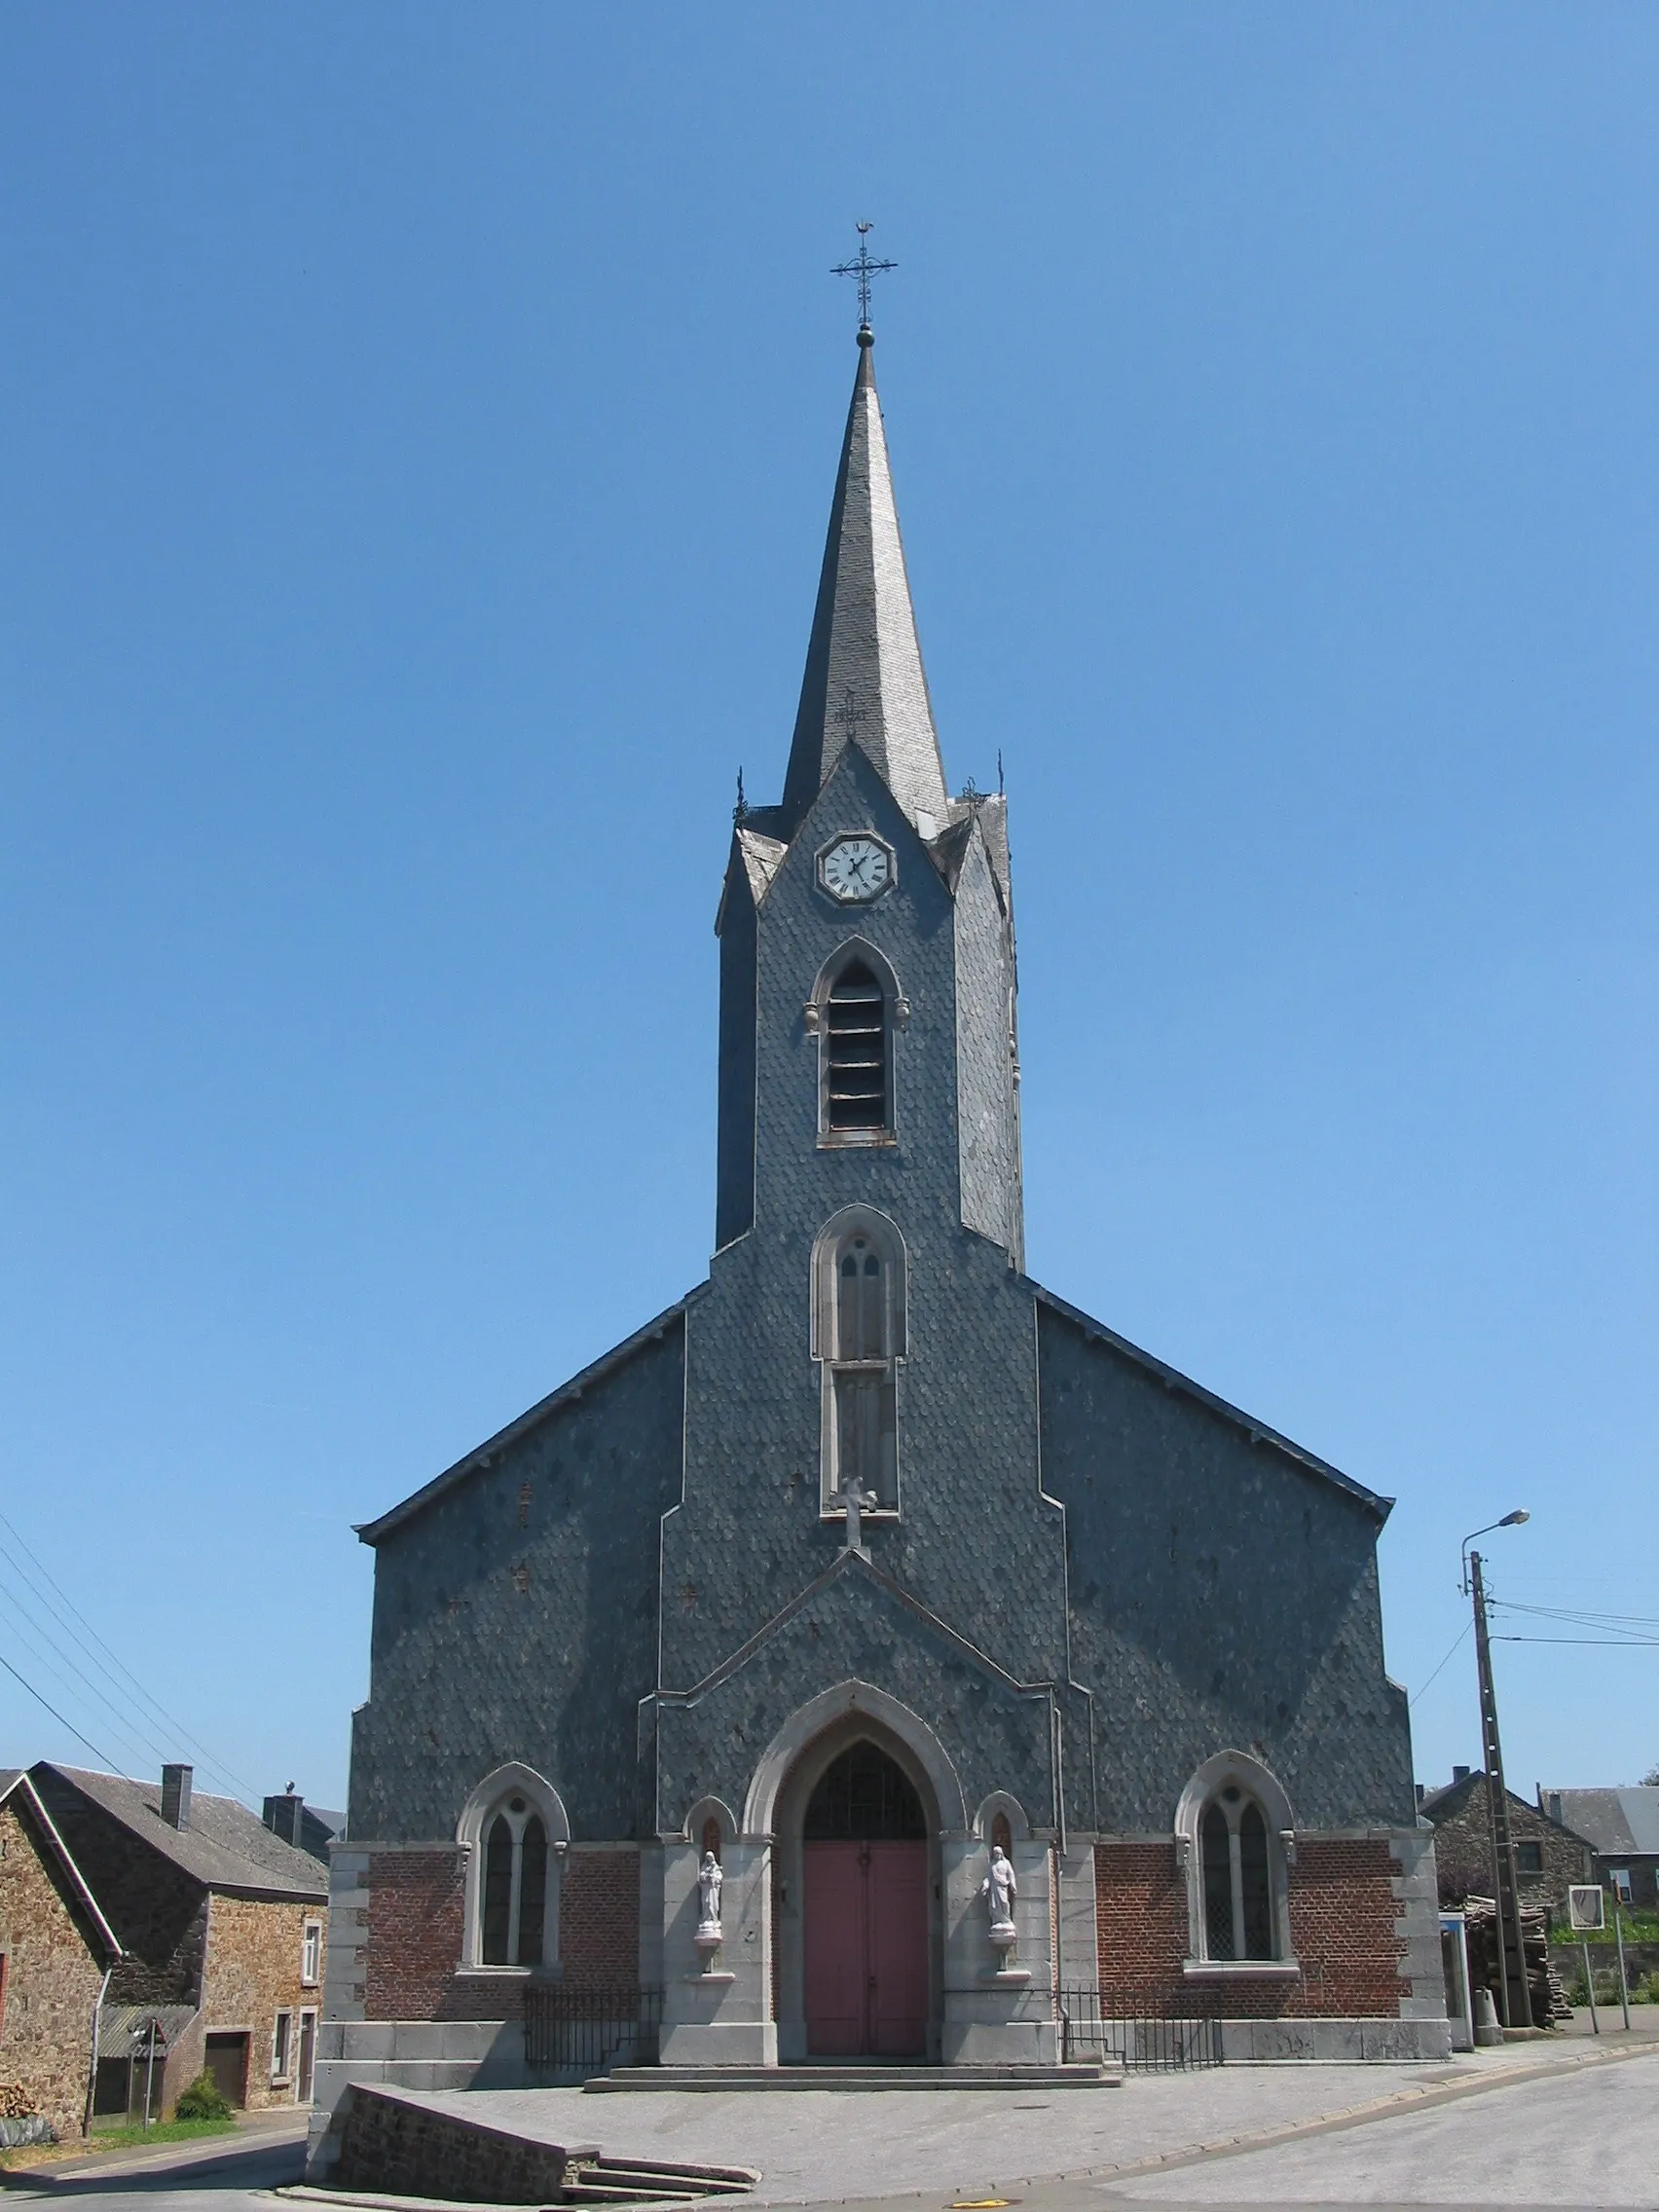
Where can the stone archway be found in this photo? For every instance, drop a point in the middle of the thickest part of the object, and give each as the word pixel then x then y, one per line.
pixel 891 1887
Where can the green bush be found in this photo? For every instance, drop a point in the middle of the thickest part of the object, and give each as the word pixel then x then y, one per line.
pixel 203 2100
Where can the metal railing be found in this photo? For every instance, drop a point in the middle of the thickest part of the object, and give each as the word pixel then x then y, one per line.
pixel 573 2034
pixel 1096 2025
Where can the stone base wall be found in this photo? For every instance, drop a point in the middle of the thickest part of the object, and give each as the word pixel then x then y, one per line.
pixel 1353 1926
pixel 385 2142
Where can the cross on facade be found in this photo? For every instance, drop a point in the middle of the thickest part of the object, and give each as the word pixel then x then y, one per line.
pixel 849 714
pixel 863 269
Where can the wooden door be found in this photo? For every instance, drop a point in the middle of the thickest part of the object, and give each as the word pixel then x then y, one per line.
pixel 227 2062
pixel 896 1890
pixel 864 1938
pixel 832 1939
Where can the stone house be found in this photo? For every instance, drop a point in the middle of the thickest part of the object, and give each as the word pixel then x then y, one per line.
pixel 56 1950
pixel 1549 1855
pixel 871 1557
pixel 222 1928
pixel 1622 1829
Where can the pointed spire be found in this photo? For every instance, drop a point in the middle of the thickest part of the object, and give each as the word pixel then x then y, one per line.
pixel 864 665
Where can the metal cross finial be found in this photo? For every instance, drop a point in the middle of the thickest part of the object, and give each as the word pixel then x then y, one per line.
pixel 863 269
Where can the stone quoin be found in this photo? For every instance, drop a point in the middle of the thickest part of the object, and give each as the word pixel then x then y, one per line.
pixel 871 1555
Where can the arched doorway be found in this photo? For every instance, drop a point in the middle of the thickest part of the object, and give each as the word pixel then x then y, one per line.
pixel 865 1876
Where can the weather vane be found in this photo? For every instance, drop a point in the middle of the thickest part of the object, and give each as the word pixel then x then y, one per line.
pixel 863 269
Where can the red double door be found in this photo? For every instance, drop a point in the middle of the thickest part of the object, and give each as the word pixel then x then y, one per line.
pixel 865 1942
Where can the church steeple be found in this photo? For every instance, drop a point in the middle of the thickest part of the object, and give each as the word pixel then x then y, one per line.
pixel 864 665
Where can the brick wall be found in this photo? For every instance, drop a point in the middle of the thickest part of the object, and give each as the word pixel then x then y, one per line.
pixel 1343 1914
pixel 416 1907
pixel 254 1955
pixel 599 1918
pixel 53 1975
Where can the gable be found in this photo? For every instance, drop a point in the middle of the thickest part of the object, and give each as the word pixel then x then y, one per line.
pixel 484 1455
pixel 1170 1379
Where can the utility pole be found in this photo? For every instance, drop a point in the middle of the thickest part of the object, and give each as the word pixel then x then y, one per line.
pixel 1506 1886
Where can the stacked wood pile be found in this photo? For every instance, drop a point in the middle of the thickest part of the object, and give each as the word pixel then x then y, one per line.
pixel 17 2102
pixel 1543 1983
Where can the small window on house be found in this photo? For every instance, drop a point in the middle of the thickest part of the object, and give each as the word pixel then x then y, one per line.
pixel 1619 1876
pixel 281 2036
pixel 514 1893
pixel 310 1954
pixel 1529 1857
pixel 856 1051
pixel 1237 1874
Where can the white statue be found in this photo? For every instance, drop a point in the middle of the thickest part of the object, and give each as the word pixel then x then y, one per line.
pixel 709 1883
pixel 999 1890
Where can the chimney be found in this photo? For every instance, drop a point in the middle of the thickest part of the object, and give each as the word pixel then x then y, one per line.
pixel 284 1815
pixel 1459 1774
pixel 1421 1789
pixel 175 1795
pixel 1554 1806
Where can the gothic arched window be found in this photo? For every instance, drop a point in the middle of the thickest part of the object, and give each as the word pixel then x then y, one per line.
pixel 860 1339
pixel 1235 1879
pixel 854 1009
pixel 855 1051
pixel 514 1826
pixel 516 1886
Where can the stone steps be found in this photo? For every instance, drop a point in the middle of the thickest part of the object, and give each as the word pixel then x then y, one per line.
pixel 710 2080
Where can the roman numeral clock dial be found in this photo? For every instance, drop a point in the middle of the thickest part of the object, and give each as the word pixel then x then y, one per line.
pixel 855 869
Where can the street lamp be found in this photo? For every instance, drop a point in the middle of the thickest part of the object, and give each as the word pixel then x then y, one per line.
pixel 1509 1521
pixel 1506 1880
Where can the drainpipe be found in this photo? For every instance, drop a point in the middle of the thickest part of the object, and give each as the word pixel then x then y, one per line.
pixel 92 2075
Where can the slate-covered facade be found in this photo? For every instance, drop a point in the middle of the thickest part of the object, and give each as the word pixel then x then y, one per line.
pixel 1084 1611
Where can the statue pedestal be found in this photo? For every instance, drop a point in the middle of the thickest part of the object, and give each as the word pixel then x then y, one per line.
pixel 709 1937
pixel 1004 1937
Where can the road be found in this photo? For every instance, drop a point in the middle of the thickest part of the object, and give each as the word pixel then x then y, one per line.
pixel 1584 2137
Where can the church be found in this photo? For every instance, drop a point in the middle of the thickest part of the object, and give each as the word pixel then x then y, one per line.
pixel 874 1657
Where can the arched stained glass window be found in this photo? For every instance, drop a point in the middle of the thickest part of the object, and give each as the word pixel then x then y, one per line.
pixel 1237 1871
pixel 513 1894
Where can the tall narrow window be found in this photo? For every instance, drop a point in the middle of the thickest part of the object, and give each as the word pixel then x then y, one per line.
pixel 855 1051
pixel 1237 1878
pixel 865 1423
pixel 514 1901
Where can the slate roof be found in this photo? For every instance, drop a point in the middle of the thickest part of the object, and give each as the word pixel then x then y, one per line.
pixel 1173 1380
pixel 1441 1804
pixel 863 672
pixel 374 1531
pixel 225 1847
pixel 16 1777
pixel 1612 1821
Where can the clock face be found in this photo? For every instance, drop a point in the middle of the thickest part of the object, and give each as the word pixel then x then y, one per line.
pixel 856 869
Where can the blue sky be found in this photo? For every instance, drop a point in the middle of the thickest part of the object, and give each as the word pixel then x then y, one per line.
pixel 422 430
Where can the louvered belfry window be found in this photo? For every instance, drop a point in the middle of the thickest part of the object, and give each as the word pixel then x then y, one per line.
pixel 856 1051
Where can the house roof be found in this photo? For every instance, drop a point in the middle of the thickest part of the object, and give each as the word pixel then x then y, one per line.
pixel 15 1778
pixel 1441 1804
pixel 1173 1379
pixel 1612 1821
pixel 225 1847
pixel 375 1532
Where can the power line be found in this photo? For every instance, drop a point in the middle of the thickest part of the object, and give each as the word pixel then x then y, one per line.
pixel 103 1758
pixel 1595 1642
pixel 123 1720
pixel 1466 1630
pixel 180 1733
